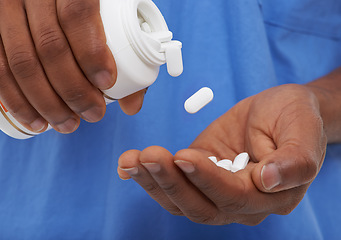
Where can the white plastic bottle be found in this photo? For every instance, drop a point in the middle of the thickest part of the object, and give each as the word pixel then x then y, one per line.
pixel 138 36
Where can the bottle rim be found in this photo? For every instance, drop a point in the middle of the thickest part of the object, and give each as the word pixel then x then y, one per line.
pixel 142 45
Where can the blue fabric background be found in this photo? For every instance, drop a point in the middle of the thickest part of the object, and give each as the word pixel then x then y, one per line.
pixel 66 187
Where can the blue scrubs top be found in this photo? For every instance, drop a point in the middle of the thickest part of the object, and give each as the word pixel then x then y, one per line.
pixel 66 187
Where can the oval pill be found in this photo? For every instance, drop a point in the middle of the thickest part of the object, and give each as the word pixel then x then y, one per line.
pixel 225 163
pixel 213 159
pixel 240 162
pixel 174 58
pixel 199 100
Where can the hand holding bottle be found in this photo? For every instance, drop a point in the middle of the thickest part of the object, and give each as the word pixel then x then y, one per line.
pixel 54 61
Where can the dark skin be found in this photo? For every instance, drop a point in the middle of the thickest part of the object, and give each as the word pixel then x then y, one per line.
pixel 53 63
pixel 284 129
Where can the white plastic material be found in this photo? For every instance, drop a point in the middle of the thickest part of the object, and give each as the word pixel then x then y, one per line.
pixel 138 36
pixel 141 42
pixel 199 100
pixel 225 163
pixel 145 27
pixel 240 162
pixel 213 159
pixel 162 36
pixel 12 127
pixel 173 58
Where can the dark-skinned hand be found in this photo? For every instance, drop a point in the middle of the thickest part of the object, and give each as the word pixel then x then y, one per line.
pixel 53 63
pixel 282 130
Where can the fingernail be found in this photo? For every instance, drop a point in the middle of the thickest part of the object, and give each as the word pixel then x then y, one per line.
pixel 103 80
pixel 68 126
pixel 185 166
pixel 124 179
pixel 93 114
pixel 270 176
pixel 152 167
pixel 38 125
pixel 131 171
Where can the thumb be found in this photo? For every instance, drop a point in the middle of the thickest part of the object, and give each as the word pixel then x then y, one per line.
pixel 287 167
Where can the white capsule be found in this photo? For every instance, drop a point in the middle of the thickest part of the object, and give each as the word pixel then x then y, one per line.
pixel 146 27
pixel 225 163
pixel 240 162
pixel 173 55
pixel 213 159
pixel 199 100
pixel 141 20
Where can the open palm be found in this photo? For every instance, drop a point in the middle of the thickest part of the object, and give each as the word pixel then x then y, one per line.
pixel 280 128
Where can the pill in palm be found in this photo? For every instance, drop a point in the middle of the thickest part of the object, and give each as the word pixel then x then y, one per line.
pixel 199 100
pixel 213 159
pixel 225 163
pixel 240 162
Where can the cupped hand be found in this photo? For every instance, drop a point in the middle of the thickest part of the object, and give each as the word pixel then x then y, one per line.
pixel 53 63
pixel 282 130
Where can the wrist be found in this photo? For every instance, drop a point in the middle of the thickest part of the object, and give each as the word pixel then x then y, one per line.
pixel 327 91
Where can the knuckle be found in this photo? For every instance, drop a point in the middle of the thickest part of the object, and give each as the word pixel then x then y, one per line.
pixel 233 206
pixel 4 70
pixel 176 212
pixel 50 43
pixel 201 218
pixel 285 210
pixel 80 99
pixel 203 215
pixel 47 109
pixel 152 189
pixel 290 202
pixel 310 168
pixel 253 221
pixel 95 49
pixel 228 219
pixel 20 111
pixel 78 10
pixel 169 188
pixel 74 95
pixel 23 63
pixel 14 107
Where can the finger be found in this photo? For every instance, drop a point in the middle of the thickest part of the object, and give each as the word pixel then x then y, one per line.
pixel 223 187
pixel 193 204
pixel 28 72
pixel 13 100
pixel 128 164
pixel 130 167
pixel 82 24
pixel 259 144
pixel 299 155
pixel 132 104
pixel 234 194
pixel 59 63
